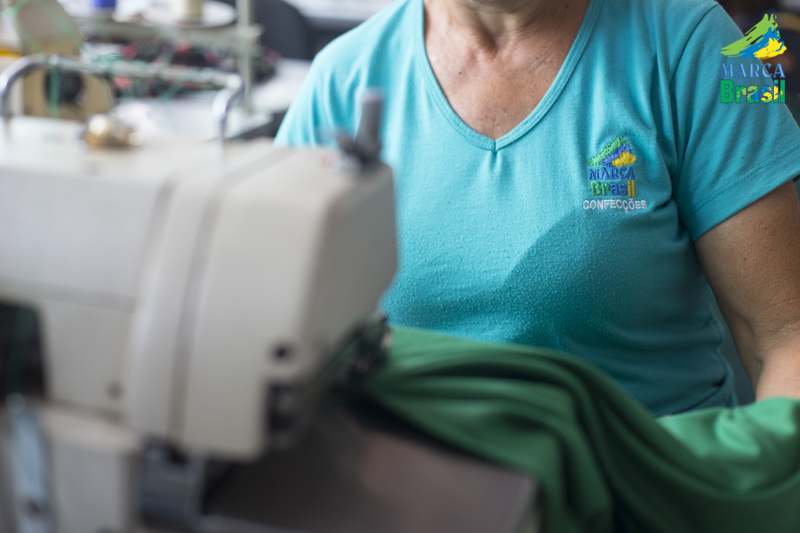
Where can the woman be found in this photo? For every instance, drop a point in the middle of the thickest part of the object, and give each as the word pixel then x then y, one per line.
pixel 566 176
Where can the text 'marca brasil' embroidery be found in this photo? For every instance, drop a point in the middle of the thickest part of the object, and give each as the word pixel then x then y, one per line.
pixel 612 180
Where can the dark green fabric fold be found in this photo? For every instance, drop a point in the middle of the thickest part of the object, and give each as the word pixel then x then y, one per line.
pixel 602 461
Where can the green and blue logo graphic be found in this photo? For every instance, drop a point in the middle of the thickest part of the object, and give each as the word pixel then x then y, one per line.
pixel 611 172
pixel 761 42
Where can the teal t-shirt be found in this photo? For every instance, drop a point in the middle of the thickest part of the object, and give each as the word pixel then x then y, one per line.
pixel 574 230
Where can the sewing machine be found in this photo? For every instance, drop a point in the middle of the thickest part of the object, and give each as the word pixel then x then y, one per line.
pixel 187 305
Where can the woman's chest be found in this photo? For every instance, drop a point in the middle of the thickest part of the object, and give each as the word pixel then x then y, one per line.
pixel 490 101
pixel 493 93
pixel 586 192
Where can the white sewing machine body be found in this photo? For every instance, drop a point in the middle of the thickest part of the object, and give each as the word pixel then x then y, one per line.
pixel 188 304
pixel 179 283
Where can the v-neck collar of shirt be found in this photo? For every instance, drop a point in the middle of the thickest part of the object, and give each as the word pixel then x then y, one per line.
pixel 552 94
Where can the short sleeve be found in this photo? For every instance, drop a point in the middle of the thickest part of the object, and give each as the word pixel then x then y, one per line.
pixel 729 154
pixel 300 126
pixel 325 103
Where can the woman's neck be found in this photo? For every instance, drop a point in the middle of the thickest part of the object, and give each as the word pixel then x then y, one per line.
pixel 494 60
pixel 497 24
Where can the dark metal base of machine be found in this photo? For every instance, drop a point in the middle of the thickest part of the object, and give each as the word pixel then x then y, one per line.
pixel 361 470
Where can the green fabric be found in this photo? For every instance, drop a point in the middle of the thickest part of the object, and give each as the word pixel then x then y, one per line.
pixel 602 461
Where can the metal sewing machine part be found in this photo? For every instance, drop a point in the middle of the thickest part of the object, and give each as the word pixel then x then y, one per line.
pixel 106 131
pixel 364 150
pixel 231 85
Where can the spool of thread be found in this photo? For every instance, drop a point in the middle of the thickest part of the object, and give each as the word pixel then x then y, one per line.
pixel 186 9
pixel 103 6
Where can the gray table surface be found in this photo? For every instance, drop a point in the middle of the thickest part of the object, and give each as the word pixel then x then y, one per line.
pixel 355 475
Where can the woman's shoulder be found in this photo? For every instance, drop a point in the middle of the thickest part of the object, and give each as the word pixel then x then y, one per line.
pixel 684 18
pixel 672 19
pixel 379 40
pixel 368 56
pixel 671 13
pixel 667 32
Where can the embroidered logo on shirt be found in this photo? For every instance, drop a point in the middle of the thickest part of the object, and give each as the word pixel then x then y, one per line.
pixel 762 41
pixel 617 153
pixel 611 175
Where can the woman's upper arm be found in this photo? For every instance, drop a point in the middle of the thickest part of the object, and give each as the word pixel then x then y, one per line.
pixel 752 262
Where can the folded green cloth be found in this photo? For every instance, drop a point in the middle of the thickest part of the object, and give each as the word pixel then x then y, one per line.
pixel 602 461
